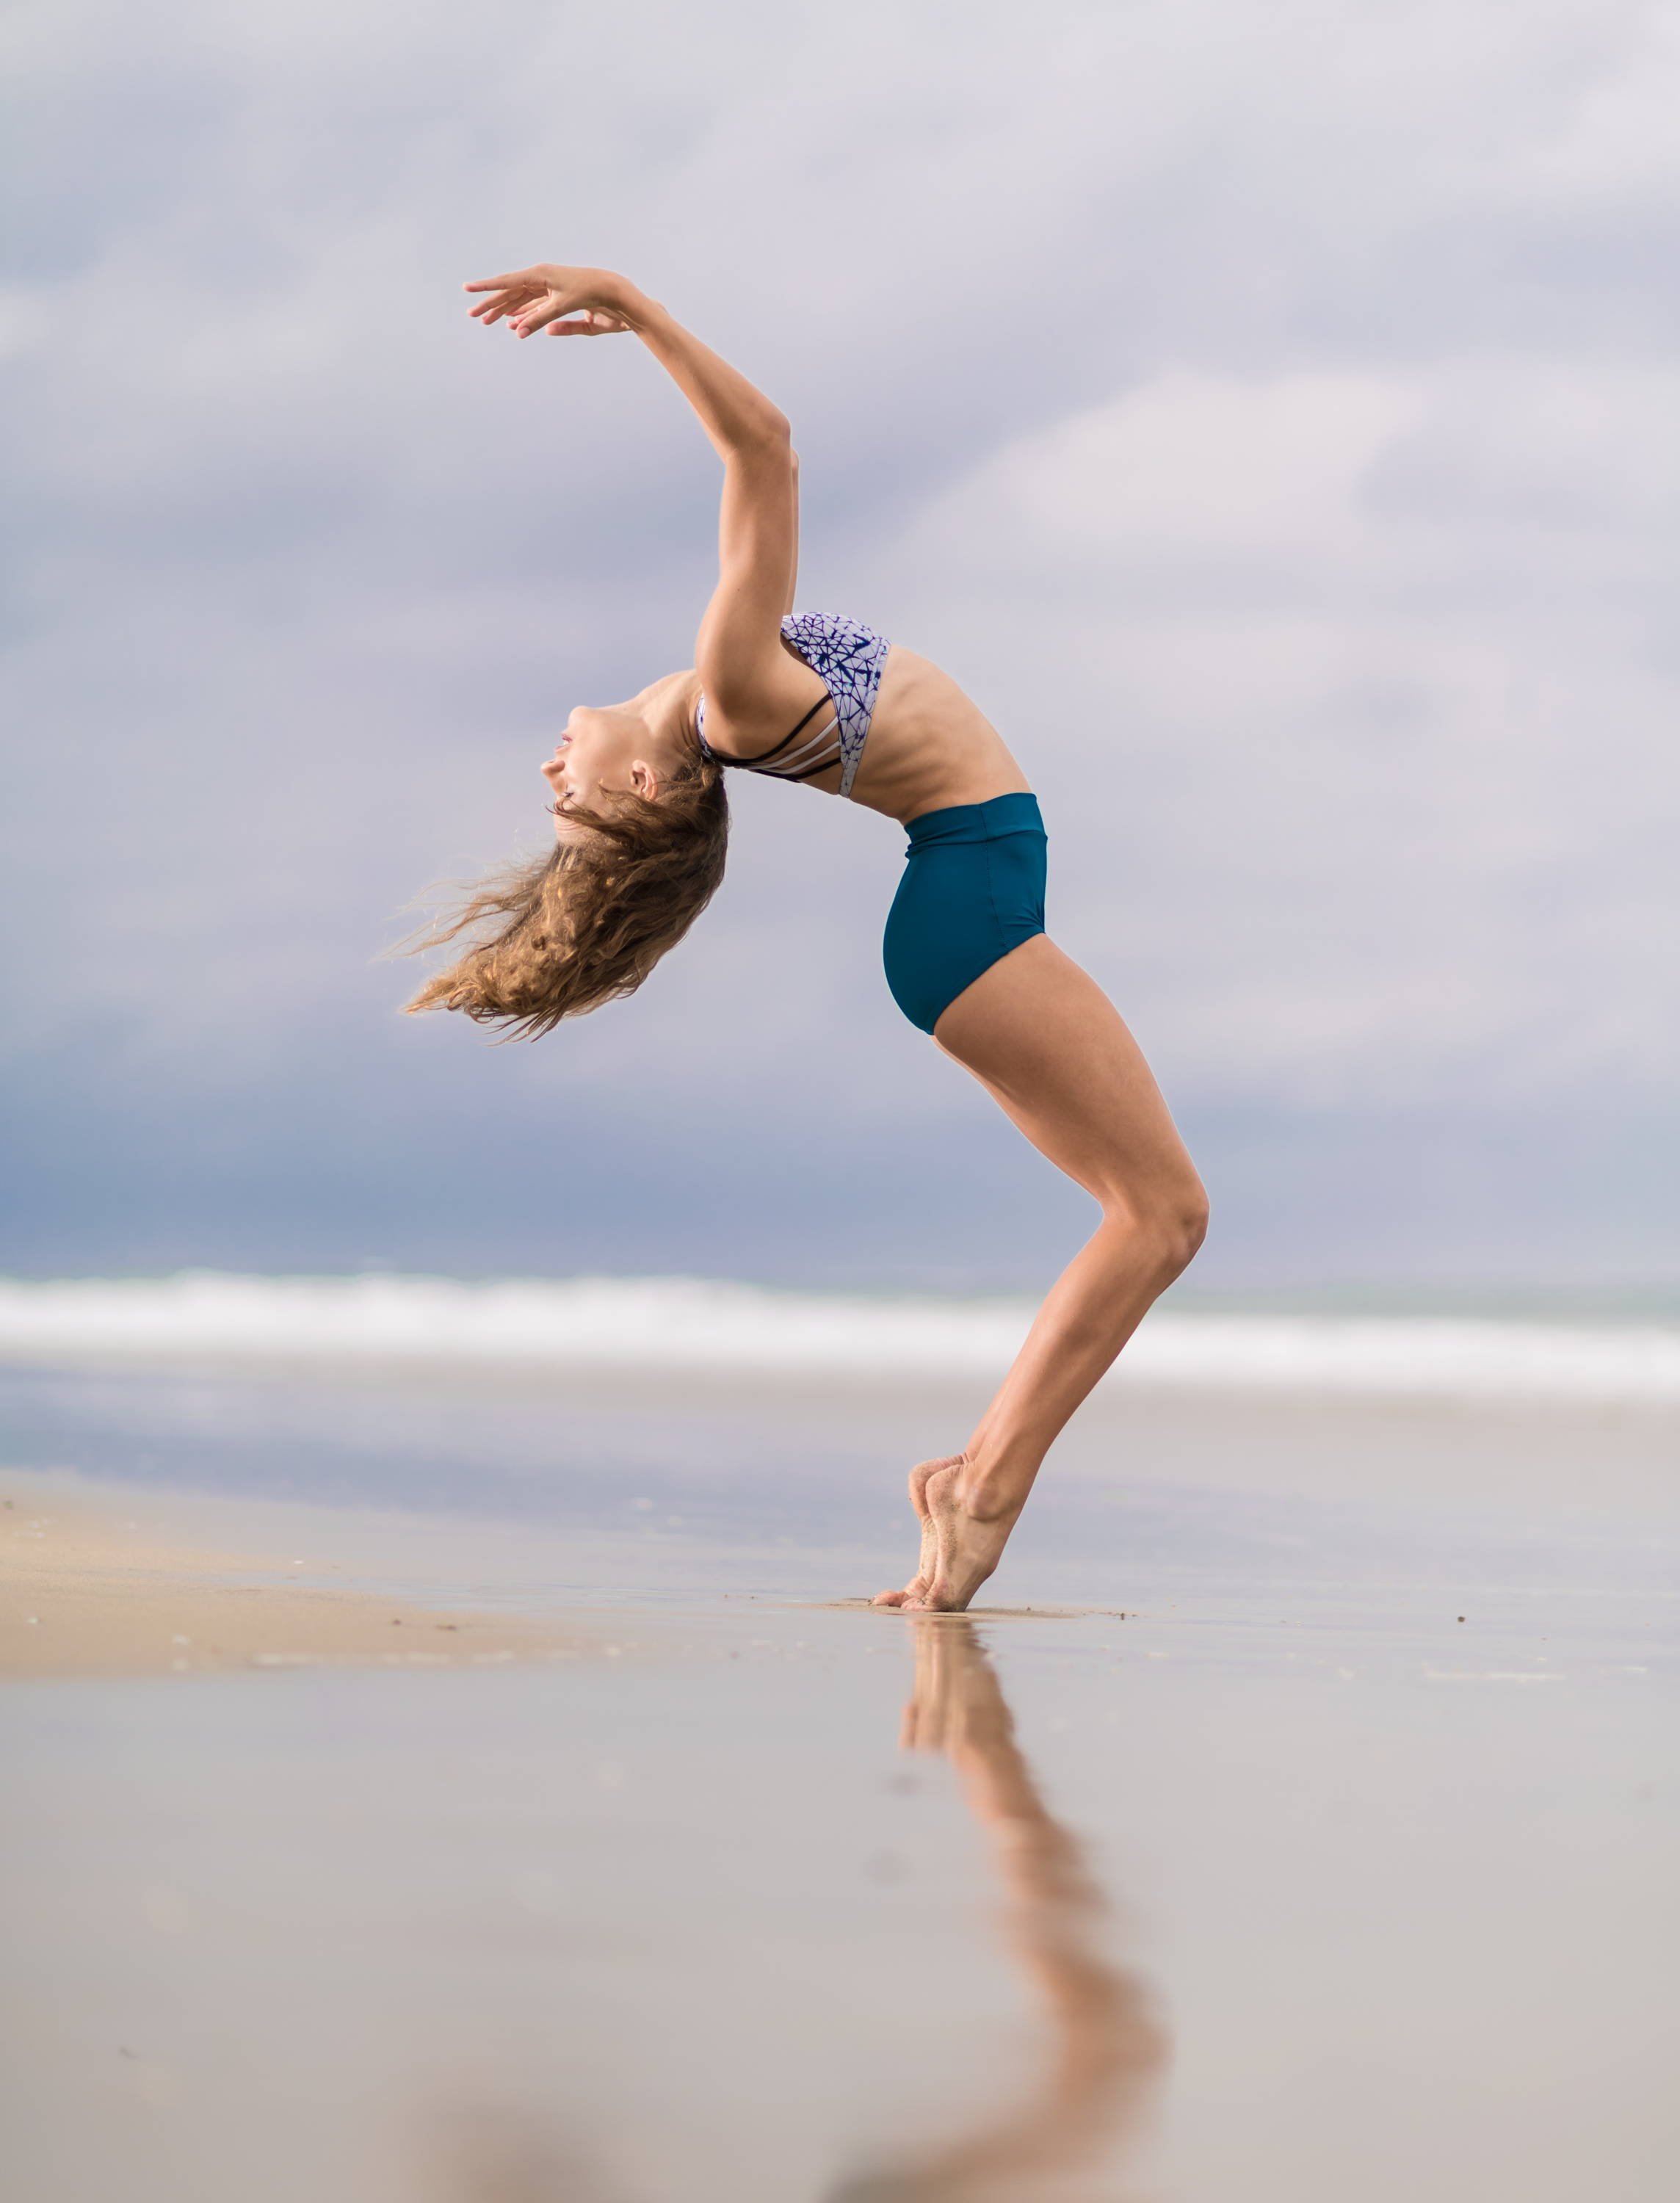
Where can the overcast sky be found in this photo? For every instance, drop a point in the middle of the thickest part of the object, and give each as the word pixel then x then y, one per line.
pixel 1269 411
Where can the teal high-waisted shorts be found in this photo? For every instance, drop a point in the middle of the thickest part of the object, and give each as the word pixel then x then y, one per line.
pixel 973 890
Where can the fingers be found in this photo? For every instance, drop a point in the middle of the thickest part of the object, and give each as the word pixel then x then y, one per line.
pixel 547 309
pixel 495 309
pixel 536 314
pixel 512 293
pixel 526 311
pixel 545 314
pixel 529 299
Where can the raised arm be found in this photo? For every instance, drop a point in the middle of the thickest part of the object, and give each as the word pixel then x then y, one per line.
pixel 754 688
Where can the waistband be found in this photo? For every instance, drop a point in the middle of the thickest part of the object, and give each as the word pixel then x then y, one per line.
pixel 977 822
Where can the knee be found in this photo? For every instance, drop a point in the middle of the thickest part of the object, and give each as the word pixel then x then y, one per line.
pixel 1188 1226
pixel 1180 1227
pixel 1170 1225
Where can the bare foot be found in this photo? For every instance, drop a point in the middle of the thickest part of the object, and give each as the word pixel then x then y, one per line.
pixel 967 1546
pixel 916 1589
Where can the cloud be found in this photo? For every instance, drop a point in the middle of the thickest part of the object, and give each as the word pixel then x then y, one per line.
pixel 1267 413
pixel 1359 717
pixel 1200 465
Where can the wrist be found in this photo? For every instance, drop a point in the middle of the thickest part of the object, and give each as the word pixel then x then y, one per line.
pixel 619 296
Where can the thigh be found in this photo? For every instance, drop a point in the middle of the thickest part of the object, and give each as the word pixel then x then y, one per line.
pixel 1052 1050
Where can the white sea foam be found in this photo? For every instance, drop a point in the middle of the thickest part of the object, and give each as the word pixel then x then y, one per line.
pixel 686 1324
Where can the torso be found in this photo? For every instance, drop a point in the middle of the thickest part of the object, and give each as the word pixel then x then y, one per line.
pixel 929 747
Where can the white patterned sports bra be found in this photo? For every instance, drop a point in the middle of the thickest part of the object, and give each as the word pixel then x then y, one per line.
pixel 847 658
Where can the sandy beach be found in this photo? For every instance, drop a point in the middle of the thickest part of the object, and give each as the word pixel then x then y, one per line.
pixel 97 1581
pixel 422 1792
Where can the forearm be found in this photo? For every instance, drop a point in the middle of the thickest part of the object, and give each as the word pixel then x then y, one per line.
pixel 739 648
pixel 737 418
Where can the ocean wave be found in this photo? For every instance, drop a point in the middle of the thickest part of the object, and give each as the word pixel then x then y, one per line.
pixel 689 1324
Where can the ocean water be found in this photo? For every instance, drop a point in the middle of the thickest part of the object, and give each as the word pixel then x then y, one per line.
pixel 672 1431
pixel 721 1328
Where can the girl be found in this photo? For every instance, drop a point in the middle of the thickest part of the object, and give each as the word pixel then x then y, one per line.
pixel 640 826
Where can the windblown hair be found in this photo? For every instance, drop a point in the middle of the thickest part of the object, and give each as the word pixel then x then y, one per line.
pixel 562 933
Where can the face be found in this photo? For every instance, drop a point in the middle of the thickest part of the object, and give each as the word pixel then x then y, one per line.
pixel 619 749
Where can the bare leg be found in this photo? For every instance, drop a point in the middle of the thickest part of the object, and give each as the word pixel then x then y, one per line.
pixel 1053 1052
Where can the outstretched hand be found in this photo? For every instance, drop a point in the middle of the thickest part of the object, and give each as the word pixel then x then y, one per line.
pixel 567 302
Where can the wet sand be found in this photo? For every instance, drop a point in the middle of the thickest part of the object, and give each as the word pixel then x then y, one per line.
pixel 1221 1858
pixel 100 1581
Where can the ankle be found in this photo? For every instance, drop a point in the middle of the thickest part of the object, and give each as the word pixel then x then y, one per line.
pixel 988 1492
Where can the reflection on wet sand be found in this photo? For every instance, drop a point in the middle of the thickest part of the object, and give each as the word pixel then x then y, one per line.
pixel 1108 2051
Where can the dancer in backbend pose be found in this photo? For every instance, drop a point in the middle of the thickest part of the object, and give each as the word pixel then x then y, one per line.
pixel 640 825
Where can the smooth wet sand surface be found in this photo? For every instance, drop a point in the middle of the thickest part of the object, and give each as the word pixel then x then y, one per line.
pixel 1241 1869
pixel 100 1581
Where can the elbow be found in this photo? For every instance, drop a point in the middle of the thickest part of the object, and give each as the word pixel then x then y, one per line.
pixel 770 436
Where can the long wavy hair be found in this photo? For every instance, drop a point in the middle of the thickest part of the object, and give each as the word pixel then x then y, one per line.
pixel 559 935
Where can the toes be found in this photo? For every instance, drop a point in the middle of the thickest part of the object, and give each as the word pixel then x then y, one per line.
pixel 932 1603
pixel 913 1591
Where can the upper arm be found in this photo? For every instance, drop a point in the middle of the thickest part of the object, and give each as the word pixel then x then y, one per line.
pixel 754 688
pixel 793 564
